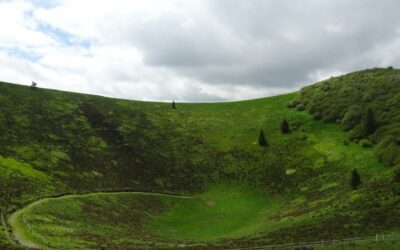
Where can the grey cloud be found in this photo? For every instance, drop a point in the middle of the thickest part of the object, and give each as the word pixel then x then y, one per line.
pixel 166 42
pixel 271 43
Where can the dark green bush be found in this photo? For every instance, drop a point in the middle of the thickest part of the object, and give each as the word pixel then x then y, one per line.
pixel 370 124
pixel 355 179
pixel 261 139
pixel 330 115
pixel 356 133
pixel 317 115
pixel 292 104
pixel 389 154
pixel 352 117
pixel 285 129
pixel 300 107
pixel 365 143
pixel 295 125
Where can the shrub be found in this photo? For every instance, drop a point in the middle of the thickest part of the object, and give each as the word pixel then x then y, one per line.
pixel 295 125
pixel 330 115
pixel 389 153
pixel 317 115
pixel 387 150
pixel 261 139
pixel 365 143
pixel 300 107
pixel 355 179
pixel 369 96
pixel 370 124
pixel 292 104
pixel 356 133
pixel 312 107
pixel 285 127
pixel 351 118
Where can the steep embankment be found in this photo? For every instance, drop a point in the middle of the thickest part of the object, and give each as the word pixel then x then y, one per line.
pixel 57 142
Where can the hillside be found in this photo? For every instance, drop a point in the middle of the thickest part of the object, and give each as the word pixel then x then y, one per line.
pixel 296 189
pixel 347 99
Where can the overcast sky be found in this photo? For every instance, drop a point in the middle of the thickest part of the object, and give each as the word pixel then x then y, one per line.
pixel 193 50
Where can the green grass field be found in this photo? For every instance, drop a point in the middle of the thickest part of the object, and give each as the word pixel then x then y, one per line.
pixel 222 212
pixel 297 189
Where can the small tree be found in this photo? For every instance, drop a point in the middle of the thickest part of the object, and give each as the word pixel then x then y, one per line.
pixel 370 122
pixel 285 127
pixel 261 139
pixel 173 105
pixel 355 179
pixel 34 85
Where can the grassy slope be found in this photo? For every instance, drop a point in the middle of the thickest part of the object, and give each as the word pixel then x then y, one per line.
pixel 317 196
pixel 347 98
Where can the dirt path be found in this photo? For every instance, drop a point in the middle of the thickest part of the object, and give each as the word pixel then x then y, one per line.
pixel 22 230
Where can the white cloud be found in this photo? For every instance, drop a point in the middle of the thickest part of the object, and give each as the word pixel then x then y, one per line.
pixel 193 50
pixel 18 29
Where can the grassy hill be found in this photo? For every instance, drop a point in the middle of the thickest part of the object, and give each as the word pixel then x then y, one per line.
pixel 296 189
pixel 347 99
